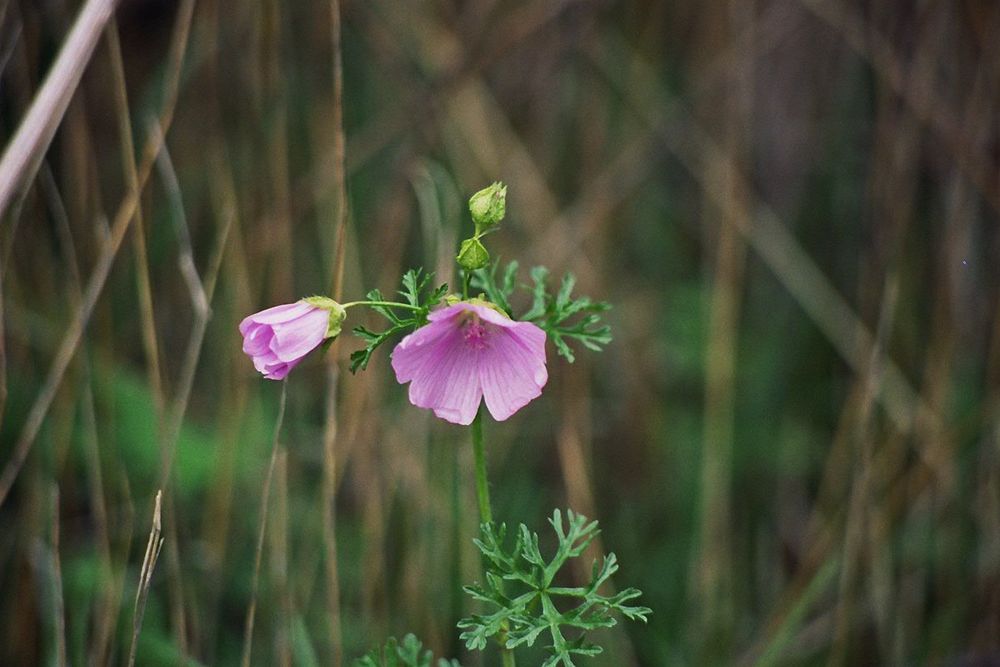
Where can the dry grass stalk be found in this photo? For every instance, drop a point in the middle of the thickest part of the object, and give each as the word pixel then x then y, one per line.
pixel 200 292
pixel 153 546
pixel 109 249
pixel 713 566
pixel 59 607
pixel 25 150
pixel 333 374
pixel 95 484
pixel 261 530
pixel 143 284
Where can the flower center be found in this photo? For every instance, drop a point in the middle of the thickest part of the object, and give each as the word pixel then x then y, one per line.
pixel 475 333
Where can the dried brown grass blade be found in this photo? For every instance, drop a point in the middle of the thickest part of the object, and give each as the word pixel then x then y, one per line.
pixel 262 528
pixel 24 152
pixel 153 546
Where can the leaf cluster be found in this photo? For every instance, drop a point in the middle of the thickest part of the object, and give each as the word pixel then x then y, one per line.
pixel 519 618
pixel 408 653
pixel 560 315
pixel 415 292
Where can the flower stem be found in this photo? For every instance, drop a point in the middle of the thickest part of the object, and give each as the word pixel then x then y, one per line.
pixel 482 487
pixel 248 628
pixel 384 304
pixel 486 511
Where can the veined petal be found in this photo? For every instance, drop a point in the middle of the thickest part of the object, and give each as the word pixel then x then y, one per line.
pixel 257 339
pixel 492 316
pixel 445 380
pixel 279 371
pixel 297 338
pixel 469 351
pixel 278 314
pixel 425 345
pixel 264 361
pixel 449 312
pixel 512 370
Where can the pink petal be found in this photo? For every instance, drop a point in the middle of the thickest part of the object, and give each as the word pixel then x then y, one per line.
pixel 449 312
pixel 452 388
pixel 262 361
pixel 297 338
pixel 422 347
pixel 490 315
pixel 257 339
pixel 512 369
pixel 441 371
pixel 451 373
pixel 279 371
pixel 277 314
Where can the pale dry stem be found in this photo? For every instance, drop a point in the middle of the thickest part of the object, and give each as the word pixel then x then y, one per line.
pixel 109 249
pixel 153 546
pixel 333 374
pixel 262 527
pixel 25 150
pixel 59 608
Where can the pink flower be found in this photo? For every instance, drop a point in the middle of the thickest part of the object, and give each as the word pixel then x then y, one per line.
pixel 278 338
pixel 470 351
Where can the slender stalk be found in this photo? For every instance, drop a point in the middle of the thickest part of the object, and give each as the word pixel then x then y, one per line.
pixel 59 606
pixel 109 248
pixel 482 486
pixel 252 610
pixel 23 154
pixel 486 510
pixel 153 547
pixel 333 372
pixel 384 304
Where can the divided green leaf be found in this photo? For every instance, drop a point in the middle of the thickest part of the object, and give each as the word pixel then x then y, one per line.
pixel 485 280
pixel 409 653
pixel 564 317
pixel 519 619
pixel 561 316
pixel 415 292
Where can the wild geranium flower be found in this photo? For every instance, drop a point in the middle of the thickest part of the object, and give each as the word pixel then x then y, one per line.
pixel 278 338
pixel 469 351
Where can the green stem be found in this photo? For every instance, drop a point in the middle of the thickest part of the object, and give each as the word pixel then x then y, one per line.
pixel 482 486
pixel 486 511
pixel 384 304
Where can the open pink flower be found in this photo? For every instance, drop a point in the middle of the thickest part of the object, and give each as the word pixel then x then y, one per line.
pixel 278 338
pixel 469 351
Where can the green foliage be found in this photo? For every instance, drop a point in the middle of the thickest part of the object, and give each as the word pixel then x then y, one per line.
pixel 498 292
pixel 560 316
pixel 409 653
pixel 519 618
pixel 415 284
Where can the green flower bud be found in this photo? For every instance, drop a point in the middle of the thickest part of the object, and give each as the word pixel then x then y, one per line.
pixel 472 255
pixel 337 313
pixel 488 206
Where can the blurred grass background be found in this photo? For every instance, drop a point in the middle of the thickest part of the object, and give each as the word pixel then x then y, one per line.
pixel 793 444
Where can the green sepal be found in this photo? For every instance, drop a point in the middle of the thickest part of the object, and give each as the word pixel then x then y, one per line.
pixel 337 314
pixel 472 254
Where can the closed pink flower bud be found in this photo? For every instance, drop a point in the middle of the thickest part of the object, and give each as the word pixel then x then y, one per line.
pixel 469 352
pixel 278 338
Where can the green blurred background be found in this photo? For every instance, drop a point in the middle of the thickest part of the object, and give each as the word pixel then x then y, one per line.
pixel 792 444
